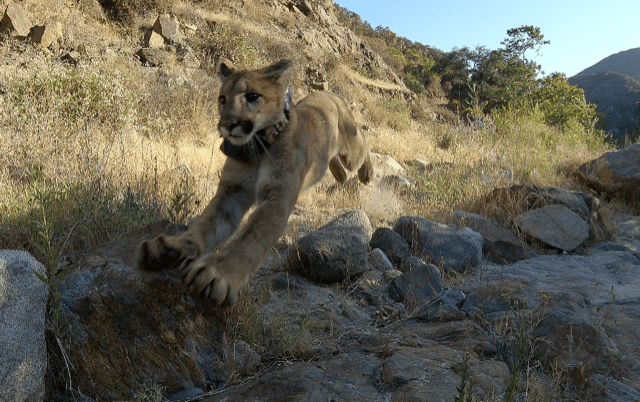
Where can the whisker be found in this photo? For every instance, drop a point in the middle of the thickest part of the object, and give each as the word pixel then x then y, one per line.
pixel 266 150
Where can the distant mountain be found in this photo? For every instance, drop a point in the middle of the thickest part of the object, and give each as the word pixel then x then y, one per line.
pixel 616 96
pixel 613 84
pixel 627 63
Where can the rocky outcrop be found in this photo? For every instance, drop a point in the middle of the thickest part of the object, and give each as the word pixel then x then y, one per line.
pixel 23 300
pixel 560 219
pixel 614 173
pixel 168 29
pixel 138 330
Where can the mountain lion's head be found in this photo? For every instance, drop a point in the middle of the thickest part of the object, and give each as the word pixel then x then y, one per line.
pixel 251 101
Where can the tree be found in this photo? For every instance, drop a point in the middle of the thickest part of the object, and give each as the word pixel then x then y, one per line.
pixel 561 102
pixel 522 39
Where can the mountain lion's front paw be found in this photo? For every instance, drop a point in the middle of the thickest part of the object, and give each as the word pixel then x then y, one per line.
pixel 164 253
pixel 215 277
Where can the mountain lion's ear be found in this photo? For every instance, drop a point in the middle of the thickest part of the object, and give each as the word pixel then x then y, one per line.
pixel 280 71
pixel 225 68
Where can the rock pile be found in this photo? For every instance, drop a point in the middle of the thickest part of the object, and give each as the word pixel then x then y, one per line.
pixel 16 23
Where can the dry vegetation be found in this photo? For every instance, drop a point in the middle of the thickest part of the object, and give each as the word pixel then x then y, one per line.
pixel 92 151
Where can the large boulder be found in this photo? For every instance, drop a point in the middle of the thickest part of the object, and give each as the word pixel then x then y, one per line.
pixel 555 225
pixel 585 319
pixel 615 173
pixel 129 330
pixel 23 303
pixel 46 35
pixel 417 286
pixel 500 245
pixel 526 197
pixel 334 252
pixel 15 22
pixel 437 243
pixel 391 243
pixel 169 29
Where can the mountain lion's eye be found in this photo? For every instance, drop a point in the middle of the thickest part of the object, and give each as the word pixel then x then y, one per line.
pixel 252 97
pixel 222 99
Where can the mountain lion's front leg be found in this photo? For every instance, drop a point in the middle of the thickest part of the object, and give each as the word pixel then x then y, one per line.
pixel 221 276
pixel 217 222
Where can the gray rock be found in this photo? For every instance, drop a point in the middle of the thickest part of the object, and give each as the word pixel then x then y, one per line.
pixel 187 394
pixel 169 29
pixel 153 56
pixel 612 390
pixel 408 368
pixel 15 22
pixel 555 225
pixel 450 297
pixel 591 309
pixel 334 252
pixel 140 329
pixel 418 286
pixel 346 377
pixel 615 173
pixel 407 264
pixel 384 165
pixel 532 197
pixel 445 307
pixel 23 353
pixel 628 226
pixel 390 275
pixel 393 245
pixel 470 301
pixel 437 243
pixel 474 238
pixel 500 245
pixel 379 261
pixel 240 358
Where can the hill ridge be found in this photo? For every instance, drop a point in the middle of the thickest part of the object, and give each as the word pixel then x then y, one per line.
pixel 626 62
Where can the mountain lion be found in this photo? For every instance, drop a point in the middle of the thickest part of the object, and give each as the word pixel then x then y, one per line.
pixel 274 152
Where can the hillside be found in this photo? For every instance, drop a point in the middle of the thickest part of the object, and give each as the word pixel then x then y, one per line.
pixel 616 96
pixel 109 135
pixel 626 62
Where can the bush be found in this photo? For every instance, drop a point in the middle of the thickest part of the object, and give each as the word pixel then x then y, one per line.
pixel 561 103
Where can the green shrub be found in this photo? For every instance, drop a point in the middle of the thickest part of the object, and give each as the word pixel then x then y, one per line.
pixel 563 103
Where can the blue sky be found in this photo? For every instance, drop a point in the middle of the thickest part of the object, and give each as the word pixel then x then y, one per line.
pixel 581 32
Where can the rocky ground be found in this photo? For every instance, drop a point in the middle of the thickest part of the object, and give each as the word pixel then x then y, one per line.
pixel 348 313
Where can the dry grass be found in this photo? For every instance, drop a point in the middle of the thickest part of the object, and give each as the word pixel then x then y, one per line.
pixel 118 131
pixel 91 152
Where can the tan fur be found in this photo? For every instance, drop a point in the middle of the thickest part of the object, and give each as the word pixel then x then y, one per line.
pixel 321 133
